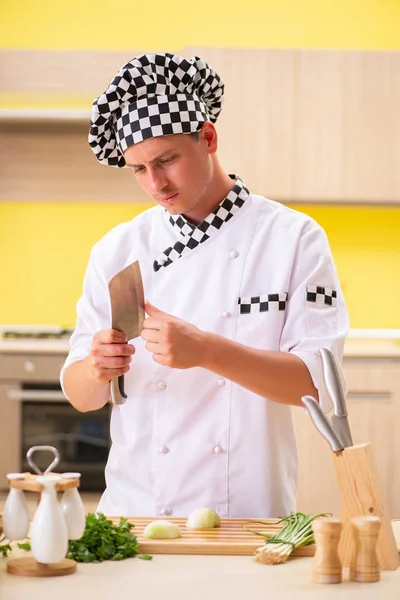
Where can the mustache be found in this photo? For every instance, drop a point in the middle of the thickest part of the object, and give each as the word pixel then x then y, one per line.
pixel 165 195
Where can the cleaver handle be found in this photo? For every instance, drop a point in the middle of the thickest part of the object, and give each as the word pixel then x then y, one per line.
pixel 117 390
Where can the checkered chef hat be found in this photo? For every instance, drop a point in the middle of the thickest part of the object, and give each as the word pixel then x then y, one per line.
pixel 153 95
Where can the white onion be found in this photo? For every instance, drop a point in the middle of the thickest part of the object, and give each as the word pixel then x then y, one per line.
pixel 203 518
pixel 162 530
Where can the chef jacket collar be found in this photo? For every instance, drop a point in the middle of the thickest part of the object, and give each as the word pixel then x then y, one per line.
pixel 193 235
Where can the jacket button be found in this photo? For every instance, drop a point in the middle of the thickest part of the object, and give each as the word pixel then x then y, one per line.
pixel 221 381
pixel 226 314
pixel 162 385
pixel 218 449
pixel 165 512
pixel 233 254
pixel 163 450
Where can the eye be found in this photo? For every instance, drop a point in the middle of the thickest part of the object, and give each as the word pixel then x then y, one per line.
pixel 138 170
pixel 166 161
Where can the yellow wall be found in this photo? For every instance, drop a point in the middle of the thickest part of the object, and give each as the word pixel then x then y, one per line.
pixel 158 25
pixel 44 247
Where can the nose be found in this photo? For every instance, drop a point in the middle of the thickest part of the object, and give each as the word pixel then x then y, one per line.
pixel 157 180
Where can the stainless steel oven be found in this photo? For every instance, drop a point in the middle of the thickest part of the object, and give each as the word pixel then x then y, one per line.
pixel 82 439
pixel 34 412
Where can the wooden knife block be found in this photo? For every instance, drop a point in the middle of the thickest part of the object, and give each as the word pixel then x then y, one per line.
pixel 362 494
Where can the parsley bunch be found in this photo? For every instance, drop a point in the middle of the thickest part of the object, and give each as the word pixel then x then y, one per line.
pixel 102 540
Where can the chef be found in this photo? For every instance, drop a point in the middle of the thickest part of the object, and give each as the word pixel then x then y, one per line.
pixel 241 291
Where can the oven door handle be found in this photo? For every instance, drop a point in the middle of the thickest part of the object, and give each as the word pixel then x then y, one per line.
pixel 35 395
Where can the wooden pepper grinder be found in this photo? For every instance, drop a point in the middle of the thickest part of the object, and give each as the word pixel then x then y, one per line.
pixel 364 565
pixel 327 567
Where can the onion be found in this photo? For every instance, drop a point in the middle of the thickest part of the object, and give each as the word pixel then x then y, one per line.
pixel 162 530
pixel 203 518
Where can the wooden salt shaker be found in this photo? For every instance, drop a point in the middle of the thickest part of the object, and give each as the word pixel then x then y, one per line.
pixel 327 567
pixel 364 565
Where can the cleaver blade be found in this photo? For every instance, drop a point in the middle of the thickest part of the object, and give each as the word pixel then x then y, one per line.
pixel 127 314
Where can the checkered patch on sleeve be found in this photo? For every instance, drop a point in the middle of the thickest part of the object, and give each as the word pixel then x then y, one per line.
pixel 266 303
pixel 321 295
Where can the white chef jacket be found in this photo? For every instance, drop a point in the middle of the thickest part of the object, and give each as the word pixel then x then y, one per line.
pixel 190 438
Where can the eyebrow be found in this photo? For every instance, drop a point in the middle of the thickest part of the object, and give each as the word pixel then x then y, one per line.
pixel 155 158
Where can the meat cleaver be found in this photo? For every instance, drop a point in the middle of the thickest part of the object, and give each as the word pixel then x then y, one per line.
pixel 127 314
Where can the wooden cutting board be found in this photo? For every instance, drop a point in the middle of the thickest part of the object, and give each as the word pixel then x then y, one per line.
pixel 231 538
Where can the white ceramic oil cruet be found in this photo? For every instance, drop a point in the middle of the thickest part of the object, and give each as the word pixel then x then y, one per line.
pixel 15 512
pixel 49 534
pixel 73 509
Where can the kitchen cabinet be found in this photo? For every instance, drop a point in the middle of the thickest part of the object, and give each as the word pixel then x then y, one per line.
pixel 311 125
pixel 44 152
pixel 297 125
pixel 373 404
pixel 50 160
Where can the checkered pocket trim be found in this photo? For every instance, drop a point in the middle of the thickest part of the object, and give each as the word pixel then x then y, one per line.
pixel 266 303
pixel 321 295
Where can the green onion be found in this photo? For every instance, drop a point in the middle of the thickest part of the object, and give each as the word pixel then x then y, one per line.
pixel 296 532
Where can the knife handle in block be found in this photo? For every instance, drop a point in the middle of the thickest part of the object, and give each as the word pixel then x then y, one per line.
pixel 117 391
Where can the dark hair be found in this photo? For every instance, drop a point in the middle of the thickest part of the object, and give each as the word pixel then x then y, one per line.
pixel 195 136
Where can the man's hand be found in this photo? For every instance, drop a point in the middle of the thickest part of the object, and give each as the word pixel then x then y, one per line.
pixel 173 342
pixel 110 355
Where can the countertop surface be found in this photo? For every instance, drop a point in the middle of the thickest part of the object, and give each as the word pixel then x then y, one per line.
pixel 194 577
pixel 354 347
pixel 371 348
pixel 191 577
pixel 18 346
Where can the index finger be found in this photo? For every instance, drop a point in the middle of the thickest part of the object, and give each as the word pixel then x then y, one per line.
pixel 152 323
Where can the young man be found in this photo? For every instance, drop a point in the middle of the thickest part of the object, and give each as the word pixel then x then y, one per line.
pixel 242 293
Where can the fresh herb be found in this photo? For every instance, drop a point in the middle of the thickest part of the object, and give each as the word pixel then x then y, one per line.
pixel 102 540
pixel 296 532
pixel 4 548
pixel 25 546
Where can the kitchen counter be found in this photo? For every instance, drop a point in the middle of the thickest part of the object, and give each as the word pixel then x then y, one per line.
pixel 354 347
pixel 192 578
pixel 19 346
pixel 371 348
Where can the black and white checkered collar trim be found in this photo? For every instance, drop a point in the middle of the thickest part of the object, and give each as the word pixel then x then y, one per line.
pixel 193 235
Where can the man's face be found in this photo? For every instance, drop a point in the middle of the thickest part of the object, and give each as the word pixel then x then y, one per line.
pixel 174 170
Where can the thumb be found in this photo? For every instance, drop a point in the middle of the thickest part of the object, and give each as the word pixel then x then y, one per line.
pixel 152 311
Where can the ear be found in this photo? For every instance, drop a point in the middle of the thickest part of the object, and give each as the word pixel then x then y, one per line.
pixel 209 133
